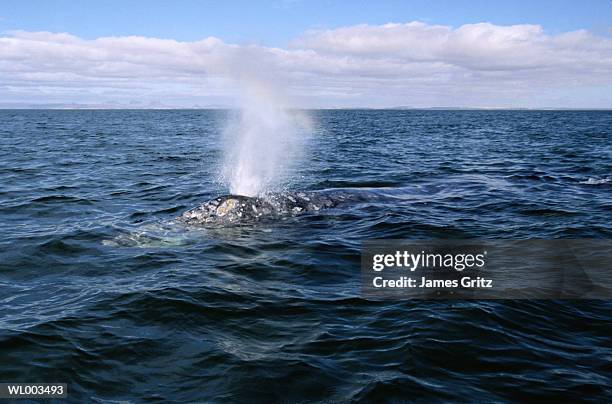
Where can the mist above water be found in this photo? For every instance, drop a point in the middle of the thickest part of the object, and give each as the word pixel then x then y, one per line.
pixel 264 141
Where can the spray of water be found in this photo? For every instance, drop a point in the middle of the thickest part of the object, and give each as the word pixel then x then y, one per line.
pixel 265 141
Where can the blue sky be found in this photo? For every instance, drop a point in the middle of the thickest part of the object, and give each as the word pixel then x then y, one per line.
pixel 275 22
pixel 476 53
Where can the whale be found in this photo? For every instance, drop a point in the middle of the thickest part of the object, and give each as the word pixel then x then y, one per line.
pixel 237 209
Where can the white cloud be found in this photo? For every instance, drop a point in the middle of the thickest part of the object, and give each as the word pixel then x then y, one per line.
pixel 365 65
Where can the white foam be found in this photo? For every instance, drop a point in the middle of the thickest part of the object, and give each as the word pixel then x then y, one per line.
pixel 596 181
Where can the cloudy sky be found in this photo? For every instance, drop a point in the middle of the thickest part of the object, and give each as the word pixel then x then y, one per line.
pixel 317 53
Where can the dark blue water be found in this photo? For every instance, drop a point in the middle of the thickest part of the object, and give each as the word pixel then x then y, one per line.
pixel 100 290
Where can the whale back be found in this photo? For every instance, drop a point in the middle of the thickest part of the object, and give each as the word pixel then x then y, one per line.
pixel 230 209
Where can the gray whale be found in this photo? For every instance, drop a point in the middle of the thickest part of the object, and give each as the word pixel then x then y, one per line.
pixel 234 209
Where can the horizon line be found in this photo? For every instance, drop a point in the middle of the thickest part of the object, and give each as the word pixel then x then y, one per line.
pixel 222 108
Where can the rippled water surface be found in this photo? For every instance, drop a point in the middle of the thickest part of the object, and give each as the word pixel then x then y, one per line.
pixel 99 288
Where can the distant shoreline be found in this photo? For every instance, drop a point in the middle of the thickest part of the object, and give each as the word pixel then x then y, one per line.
pixel 102 108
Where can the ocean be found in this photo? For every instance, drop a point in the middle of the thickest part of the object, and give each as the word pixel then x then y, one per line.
pixel 102 290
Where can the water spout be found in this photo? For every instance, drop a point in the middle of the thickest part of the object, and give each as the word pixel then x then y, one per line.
pixel 265 140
